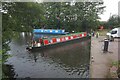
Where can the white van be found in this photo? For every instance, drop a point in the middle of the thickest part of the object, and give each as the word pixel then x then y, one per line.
pixel 114 33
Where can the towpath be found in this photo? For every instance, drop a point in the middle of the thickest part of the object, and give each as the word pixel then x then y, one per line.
pixel 101 61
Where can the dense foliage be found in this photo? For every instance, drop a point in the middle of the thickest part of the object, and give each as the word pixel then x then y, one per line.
pixel 113 22
pixel 79 16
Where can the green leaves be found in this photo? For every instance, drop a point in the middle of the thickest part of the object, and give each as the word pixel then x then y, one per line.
pixel 74 17
pixel 23 16
pixel 114 21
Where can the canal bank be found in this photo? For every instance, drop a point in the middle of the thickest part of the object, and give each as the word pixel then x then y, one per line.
pixel 100 62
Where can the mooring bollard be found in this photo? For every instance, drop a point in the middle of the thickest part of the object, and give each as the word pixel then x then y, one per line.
pixel 106 43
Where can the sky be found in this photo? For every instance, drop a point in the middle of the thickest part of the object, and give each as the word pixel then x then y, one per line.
pixel 111 9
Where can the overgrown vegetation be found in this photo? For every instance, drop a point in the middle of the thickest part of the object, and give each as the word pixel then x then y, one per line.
pixel 114 70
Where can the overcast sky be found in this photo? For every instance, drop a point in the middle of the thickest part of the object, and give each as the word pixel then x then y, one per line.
pixel 111 8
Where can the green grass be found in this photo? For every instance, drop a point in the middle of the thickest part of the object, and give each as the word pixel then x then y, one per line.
pixel 103 32
pixel 115 63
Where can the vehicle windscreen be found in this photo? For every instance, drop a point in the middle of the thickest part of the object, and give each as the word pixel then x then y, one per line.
pixel 113 32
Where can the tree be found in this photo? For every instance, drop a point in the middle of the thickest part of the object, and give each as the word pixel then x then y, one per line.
pixel 78 16
pixel 19 17
pixel 23 16
pixel 114 21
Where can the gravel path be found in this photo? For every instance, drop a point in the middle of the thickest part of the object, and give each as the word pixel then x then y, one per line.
pixel 101 61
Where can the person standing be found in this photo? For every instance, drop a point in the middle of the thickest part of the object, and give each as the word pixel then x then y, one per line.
pixel 93 33
pixel 58 22
pixel 97 34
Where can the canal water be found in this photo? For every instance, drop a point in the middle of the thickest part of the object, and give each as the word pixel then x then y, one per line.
pixel 68 61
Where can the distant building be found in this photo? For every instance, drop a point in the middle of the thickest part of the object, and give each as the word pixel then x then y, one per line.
pixel 119 8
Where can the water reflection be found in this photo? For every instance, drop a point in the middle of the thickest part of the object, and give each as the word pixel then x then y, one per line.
pixel 73 58
pixel 70 60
